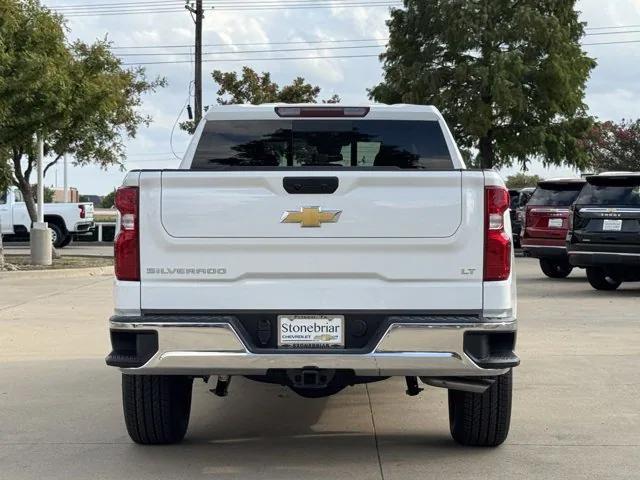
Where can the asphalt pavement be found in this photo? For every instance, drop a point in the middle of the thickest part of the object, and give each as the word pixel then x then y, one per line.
pixel 576 411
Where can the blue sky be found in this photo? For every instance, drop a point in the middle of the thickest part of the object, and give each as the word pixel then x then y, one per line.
pixel 613 91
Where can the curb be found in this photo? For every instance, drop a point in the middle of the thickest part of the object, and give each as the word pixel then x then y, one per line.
pixel 58 273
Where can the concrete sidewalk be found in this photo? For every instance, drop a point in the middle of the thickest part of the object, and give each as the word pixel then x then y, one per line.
pixel 85 249
pixel 575 414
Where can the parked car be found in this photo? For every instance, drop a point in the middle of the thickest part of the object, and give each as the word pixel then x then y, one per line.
pixel 331 246
pixel 64 219
pixel 546 224
pixel 605 235
pixel 519 199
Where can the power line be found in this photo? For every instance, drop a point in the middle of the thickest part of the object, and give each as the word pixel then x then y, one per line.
pixel 230 8
pixel 611 43
pixel 618 32
pixel 612 27
pixel 182 2
pixel 214 4
pixel 310 42
pixel 165 54
pixel 317 57
pixel 257 59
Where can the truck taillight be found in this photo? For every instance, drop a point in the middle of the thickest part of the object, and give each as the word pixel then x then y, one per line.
pixel 83 212
pixel 126 245
pixel 497 244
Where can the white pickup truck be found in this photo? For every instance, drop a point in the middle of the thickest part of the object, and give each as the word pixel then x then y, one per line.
pixel 315 247
pixel 64 219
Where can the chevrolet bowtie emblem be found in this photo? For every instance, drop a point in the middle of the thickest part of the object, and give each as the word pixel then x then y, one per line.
pixel 310 216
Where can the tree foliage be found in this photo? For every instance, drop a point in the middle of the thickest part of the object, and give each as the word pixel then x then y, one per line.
pixel 614 146
pixel 109 200
pixel 508 75
pixel 522 180
pixel 254 88
pixel 77 97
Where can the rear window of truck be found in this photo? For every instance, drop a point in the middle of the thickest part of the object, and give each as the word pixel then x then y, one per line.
pixel 389 144
pixel 612 192
pixel 556 196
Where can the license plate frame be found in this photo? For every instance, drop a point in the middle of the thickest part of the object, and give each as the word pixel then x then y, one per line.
pixel 611 225
pixel 319 332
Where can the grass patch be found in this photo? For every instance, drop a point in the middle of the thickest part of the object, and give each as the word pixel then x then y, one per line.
pixel 23 262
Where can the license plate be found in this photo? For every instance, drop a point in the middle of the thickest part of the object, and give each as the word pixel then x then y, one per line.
pixel 612 225
pixel 555 222
pixel 311 331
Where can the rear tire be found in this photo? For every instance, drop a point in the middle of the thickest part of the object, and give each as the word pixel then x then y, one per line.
pixel 555 268
pixel 57 235
pixel 482 419
pixel 156 407
pixel 599 279
pixel 66 241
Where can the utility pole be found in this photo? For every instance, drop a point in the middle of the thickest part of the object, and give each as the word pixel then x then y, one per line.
pixel 198 16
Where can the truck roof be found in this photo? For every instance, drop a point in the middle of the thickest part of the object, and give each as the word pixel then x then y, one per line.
pixel 376 111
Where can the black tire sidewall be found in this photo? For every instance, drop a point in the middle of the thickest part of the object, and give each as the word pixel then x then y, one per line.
pixel 599 279
pixel 555 268
pixel 468 413
pixel 59 235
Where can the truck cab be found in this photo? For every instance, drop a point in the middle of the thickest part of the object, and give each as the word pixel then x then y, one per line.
pixel 64 219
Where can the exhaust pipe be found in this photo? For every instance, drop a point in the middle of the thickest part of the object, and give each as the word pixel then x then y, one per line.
pixel 464 384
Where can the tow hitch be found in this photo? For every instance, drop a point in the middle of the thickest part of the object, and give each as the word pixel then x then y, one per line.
pixel 310 378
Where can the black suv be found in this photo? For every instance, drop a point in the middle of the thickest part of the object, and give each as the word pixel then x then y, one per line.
pixel 605 235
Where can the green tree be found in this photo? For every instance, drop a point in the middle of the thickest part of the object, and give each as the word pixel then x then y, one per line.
pixel 254 88
pixel 522 180
pixel 614 146
pixel 77 97
pixel 109 200
pixel 509 75
pixel 6 175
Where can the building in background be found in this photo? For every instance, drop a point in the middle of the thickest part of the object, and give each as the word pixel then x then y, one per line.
pixel 58 195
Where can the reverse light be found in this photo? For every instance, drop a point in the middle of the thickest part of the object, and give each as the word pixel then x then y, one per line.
pixel 126 244
pixel 497 244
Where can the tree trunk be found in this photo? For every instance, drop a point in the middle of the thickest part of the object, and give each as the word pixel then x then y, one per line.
pixel 487 152
pixel 1 251
pixel 24 185
pixel 29 201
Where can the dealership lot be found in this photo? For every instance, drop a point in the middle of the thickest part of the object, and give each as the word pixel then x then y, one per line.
pixel 576 407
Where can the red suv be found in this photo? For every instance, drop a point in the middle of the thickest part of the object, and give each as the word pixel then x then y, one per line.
pixel 546 224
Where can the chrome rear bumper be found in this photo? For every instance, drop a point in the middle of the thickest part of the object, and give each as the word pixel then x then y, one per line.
pixel 421 349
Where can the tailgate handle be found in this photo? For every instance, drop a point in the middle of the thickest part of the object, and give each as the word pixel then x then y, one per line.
pixel 309 185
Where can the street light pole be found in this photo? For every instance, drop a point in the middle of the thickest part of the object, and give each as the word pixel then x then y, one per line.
pixel 65 188
pixel 40 180
pixel 41 251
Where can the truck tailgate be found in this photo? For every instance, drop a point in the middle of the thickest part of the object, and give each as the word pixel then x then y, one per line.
pixel 214 242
